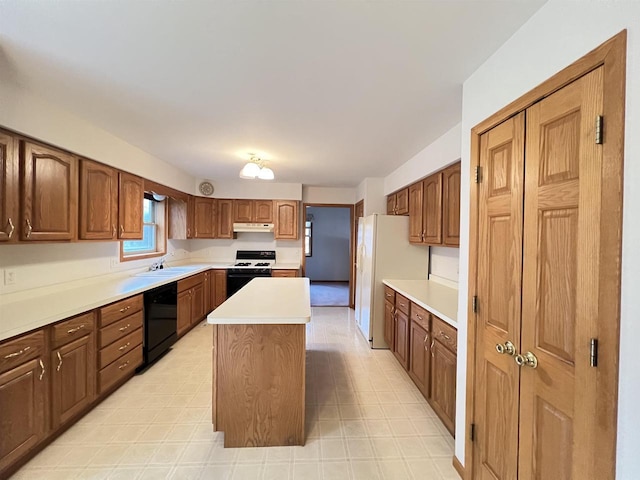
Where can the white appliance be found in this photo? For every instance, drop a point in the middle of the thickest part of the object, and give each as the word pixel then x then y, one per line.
pixel 253 227
pixel 383 252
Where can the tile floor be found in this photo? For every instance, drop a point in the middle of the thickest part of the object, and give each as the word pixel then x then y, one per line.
pixel 365 420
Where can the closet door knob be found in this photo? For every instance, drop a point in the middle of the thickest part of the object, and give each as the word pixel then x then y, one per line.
pixel 506 348
pixel 527 360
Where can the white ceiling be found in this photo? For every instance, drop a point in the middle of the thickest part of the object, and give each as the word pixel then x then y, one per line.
pixel 332 91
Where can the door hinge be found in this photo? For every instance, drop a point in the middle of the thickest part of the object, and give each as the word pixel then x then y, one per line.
pixel 474 304
pixel 593 353
pixel 472 432
pixel 478 174
pixel 599 127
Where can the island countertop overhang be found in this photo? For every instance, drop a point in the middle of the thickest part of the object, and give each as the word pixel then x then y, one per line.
pixel 266 301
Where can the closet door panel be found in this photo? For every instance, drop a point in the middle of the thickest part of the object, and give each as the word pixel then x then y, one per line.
pixel 499 288
pixel 558 409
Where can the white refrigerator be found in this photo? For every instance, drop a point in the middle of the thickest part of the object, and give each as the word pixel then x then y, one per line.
pixel 383 252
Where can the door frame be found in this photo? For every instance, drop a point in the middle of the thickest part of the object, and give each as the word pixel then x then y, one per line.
pixel 612 56
pixel 352 240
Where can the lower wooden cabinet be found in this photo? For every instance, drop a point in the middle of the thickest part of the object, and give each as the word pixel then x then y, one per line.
pixel 401 334
pixel 219 287
pixel 284 273
pixel 73 378
pixel 24 375
pixel 197 303
pixel 419 357
pixel 389 324
pixel 443 384
pixel 191 302
pixel 184 312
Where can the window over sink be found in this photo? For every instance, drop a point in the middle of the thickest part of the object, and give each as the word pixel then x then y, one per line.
pixel 154 240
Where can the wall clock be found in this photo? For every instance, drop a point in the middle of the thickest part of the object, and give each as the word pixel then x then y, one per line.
pixel 206 188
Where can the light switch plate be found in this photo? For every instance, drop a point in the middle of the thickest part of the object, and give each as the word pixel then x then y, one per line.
pixel 9 277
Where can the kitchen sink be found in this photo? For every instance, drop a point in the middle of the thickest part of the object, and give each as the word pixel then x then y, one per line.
pixel 167 272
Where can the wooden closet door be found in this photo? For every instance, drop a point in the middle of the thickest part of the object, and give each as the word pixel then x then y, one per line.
pixel 499 289
pixel 559 413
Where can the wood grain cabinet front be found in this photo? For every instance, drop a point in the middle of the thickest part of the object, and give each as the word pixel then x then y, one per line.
pixel 442 391
pixel 451 205
pixel 398 202
pixel 284 273
pixel 224 226
pixel 130 206
pixel 49 186
pixel 204 217
pixel 419 356
pixel 401 338
pixel 98 214
pixel 219 287
pixel 389 324
pixel 9 199
pixel 124 367
pixel 286 220
pixel 24 402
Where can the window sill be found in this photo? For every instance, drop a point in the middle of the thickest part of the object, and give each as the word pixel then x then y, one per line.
pixel 141 256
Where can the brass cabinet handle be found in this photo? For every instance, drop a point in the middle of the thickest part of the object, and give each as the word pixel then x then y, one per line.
pixel 527 360
pixel 402 305
pixel 29 227
pixel 121 230
pixel 445 336
pixel 426 339
pixel 60 362
pixel 389 295
pixel 188 232
pixel 124 365
pixel 12 228
pixel 42 367
pixel 432 344
pixel 506 348
pixel 418 317
pixel 122 329
pixel 74 330
pixel 113 230
pixel 122 310
pixel 124 347
pixel 18 353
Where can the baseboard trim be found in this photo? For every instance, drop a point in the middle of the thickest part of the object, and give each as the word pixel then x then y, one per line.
pixel 458 466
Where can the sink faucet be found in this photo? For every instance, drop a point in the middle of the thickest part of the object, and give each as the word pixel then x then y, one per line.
pixel 158 265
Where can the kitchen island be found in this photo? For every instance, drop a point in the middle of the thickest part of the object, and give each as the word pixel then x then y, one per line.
pixel 259 363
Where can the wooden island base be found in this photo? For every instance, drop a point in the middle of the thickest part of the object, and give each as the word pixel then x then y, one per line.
pixel 259 384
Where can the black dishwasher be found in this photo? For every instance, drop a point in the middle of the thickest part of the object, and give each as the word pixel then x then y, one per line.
pixel 160 321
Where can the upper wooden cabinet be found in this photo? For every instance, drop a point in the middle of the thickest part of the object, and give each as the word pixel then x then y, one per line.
pixel 204 217
pixel 98 201
pixel 130 202
pixel 415 213
pixel 398 203
pixel 451 205
pixel 432 210
pixel 9 220
pixel 224 218
pixel 252 211
pixel 286 220
pixel 49 180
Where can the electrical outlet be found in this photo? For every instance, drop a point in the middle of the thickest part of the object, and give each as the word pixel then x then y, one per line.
pixel 9 277
pixel 114 262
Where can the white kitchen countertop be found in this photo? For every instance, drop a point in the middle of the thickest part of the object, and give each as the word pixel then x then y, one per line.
pixel 28 310
pixel 266 301
pixel 438 299
pixel 286 266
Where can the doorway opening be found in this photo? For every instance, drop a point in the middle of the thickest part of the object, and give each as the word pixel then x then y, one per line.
pixel 327 254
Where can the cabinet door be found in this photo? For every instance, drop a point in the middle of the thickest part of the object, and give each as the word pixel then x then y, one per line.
pixel 284 273
pixel 419 357
pixel 130 200
pixel 415 213
pixel 204 218
pixel 23 403
pixel 191 216
pixel 206 292
pixel 432 209
pixel 402 202
pixel 220 287
pixel 443 384
pixel 359 210
pixel 184 311
pixel 389 325
pixel 197 303
pixel 286 220
pixel 243 211
pixel 263 211
pixel 8 187
pixel 401 343
pixel 50 194
pixel 177 218
pixel 225 219
pixel 73 378
pixel 391 204
pixel 98 201
pixel 451 205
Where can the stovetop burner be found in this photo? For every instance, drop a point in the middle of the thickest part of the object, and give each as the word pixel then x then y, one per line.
pixel 242 264
pixel 262 264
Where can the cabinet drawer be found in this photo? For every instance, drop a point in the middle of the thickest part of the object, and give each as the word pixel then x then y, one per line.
pixel 113 332
pixel 124 367
pixel 190 282
pixel 445 333
pixel 72 329
pixel 117 349
pixel 389 294
pixel 123 308
pixel 420 316
pixel 284 273
pixel 18 351
pixel 402 304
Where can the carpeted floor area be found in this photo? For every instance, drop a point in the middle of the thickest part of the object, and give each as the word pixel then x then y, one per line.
pixel 329 294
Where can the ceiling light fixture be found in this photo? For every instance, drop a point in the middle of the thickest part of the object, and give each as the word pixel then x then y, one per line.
pixel 255 168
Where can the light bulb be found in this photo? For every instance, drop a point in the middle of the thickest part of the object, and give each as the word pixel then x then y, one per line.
pixel 266 174
pixel 250 171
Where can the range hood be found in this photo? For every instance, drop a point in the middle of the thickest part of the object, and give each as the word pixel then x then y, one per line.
pixel 253 227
